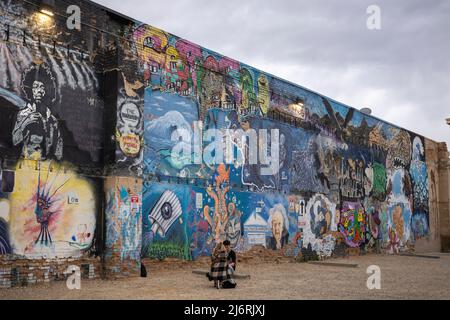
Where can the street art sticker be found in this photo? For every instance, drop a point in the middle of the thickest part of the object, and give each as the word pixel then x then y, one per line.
pixel 54 211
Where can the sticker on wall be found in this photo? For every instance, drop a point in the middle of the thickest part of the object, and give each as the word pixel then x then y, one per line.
pixel 166 211
pixel 135 202
pixel 72 198
pixel 199 200
pixel 130 144
pixel 130 114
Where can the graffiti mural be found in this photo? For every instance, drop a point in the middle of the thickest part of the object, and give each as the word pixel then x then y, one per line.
pixel 353 224
pixel 165 221
pixel 36 128
pixel 123 217
pixel 165 113
pixel 145 109
pixel 345 181
pixel 318 224
pixel 419 176
pixel 130 121
pixel 279 226
pixel 50 103
pixel 54 211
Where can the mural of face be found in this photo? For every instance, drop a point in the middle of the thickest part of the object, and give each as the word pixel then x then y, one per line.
pixel 399 152
pixel 245 125
pixel 38 90
pixel 36 128
pixel 277 227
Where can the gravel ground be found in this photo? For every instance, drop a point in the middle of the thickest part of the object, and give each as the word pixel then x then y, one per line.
pixel 402 277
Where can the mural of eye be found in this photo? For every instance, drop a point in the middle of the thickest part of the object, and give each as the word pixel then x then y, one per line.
pixel 165 212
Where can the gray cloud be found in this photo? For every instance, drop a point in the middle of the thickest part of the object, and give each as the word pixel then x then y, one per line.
pixel 400 71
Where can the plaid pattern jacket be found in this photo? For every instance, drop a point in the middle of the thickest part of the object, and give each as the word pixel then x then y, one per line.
pixel 219 267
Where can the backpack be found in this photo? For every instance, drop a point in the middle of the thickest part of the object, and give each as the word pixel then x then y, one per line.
pixel 143 271
pixel 229 284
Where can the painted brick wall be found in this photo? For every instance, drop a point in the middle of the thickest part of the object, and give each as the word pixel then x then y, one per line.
pixel 76 181
pixel 68 114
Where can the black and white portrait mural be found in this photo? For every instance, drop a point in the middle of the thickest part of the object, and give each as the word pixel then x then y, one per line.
pixel 36 128
pixel 50 104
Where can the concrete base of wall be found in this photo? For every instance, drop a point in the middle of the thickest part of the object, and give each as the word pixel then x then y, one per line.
pixel 15 272
pixel 427 245
pixel 115 268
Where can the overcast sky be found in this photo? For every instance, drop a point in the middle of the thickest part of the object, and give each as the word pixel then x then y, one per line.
pixel 402 72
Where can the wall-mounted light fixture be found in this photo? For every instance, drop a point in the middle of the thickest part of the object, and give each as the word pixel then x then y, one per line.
pixel 46 7
pixel 367 111
pixel 298 108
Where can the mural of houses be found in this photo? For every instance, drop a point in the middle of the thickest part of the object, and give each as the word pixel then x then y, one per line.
pixel 256 230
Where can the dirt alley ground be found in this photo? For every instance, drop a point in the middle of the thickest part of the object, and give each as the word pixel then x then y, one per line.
pixel 402 277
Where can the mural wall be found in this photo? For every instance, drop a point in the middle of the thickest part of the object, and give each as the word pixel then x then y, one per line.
pixel 295 171
pixel 56 131
pixel 123 217
pixel 345 181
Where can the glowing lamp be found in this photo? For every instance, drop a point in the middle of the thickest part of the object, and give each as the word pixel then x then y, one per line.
pixel 47 7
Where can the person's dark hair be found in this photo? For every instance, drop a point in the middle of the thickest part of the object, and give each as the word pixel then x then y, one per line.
pixel 42 73
pixel 226 243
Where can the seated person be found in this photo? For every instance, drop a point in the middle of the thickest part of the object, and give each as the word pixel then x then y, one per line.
pixel 219 266
pixel 231 255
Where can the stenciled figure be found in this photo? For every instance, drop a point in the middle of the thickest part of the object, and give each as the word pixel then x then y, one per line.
pixel 36 128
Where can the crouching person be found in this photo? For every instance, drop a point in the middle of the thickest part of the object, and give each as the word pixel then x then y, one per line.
pixel 219 266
